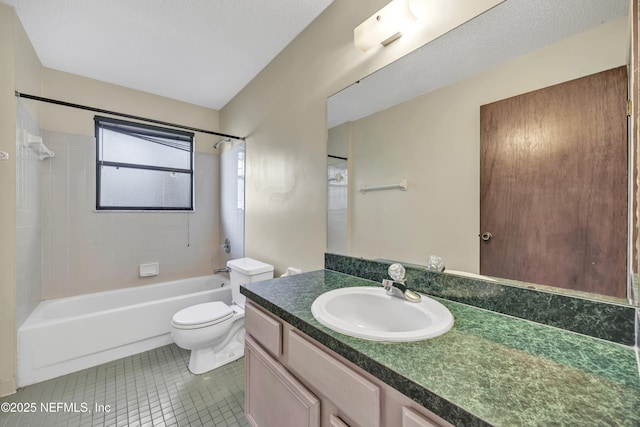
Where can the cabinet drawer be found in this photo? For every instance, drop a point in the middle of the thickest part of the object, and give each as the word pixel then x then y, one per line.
pixel 411 418
pixel 352 393
pixel 264 329
pixel 273 397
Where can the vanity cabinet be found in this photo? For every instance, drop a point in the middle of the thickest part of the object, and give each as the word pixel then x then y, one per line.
pixel 291 375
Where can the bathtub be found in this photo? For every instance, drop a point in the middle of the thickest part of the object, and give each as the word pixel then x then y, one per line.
pixel 69 334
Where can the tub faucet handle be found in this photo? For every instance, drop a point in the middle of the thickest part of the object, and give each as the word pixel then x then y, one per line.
pixel 226 246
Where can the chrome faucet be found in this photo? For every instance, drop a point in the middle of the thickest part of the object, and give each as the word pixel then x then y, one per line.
pixel 396 286
pixel 221 270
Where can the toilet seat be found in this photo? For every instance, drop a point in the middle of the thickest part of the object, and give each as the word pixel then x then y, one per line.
pixel 202 315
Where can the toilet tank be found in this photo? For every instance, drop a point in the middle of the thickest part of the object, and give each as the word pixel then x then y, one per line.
pixel 247 270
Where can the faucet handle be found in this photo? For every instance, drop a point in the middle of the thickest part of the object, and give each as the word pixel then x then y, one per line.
pixel 397 272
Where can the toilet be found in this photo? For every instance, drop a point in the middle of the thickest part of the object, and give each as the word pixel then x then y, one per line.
pixel 214 331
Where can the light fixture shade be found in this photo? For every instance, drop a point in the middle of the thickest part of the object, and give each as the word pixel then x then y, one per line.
pixel 419 8
pixel 384 26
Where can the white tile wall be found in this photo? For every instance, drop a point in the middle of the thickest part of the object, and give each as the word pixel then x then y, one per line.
pixel 232 199
pixel 28 241
pixel 337 206
pixel 86 251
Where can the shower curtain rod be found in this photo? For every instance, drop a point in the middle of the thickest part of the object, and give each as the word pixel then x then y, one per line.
pixel 128 116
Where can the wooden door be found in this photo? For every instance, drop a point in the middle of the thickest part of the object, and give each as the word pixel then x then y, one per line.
pixel 553 185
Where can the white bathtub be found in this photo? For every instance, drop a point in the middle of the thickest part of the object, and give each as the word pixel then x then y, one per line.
pixel 69 334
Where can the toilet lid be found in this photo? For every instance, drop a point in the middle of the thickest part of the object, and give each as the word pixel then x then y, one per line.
pixel 210 312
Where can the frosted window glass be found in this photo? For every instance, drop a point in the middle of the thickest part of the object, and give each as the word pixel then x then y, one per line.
pixel 122 148
pixel 143 167
pixel 124 187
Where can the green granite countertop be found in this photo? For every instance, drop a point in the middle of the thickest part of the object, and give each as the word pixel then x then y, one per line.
pixel 490 369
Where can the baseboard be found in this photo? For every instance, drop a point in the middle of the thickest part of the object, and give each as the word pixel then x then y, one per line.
pixel 7 387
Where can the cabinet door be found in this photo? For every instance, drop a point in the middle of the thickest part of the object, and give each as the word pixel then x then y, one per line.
pixel 337 422
pixel 273 397
pixel 411 418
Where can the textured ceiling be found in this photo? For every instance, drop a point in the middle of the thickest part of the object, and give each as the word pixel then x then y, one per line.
pixel 199 51
pixel 507 31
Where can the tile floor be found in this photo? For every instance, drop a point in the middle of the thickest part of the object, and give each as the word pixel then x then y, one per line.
pixel 153 388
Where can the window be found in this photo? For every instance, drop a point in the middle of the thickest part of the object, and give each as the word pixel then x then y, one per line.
pixel 241 178
pixel 142 167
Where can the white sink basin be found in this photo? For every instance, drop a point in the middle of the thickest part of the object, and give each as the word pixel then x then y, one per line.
pixel 368 312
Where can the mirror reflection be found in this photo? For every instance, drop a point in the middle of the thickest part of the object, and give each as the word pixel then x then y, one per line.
pixel 419 120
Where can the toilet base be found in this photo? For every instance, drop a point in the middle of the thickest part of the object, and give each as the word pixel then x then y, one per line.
pixel 206 359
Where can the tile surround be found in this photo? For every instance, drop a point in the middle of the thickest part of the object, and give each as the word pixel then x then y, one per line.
pixel 28 217
pixel 86 251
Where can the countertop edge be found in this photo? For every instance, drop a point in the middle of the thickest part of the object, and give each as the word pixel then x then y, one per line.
pixel 420 394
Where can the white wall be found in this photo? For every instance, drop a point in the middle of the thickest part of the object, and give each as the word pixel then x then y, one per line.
pixel 19 70
pixel 283 114
pixel 7 205
pixel 433 141
pixel 84 91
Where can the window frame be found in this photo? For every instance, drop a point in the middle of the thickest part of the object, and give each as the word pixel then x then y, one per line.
pixel 148 130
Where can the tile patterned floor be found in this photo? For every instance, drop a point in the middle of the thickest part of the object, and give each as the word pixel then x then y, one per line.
pixel 153 388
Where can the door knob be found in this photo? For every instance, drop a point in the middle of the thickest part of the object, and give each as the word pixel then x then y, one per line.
pixel 486 236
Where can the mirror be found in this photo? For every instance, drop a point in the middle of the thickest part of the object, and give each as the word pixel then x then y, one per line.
pixel 417 122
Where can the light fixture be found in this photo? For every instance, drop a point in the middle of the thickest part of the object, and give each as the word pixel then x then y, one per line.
pixel 420 8
pixel 384 26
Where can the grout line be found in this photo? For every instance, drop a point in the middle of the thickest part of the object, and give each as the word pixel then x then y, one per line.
pixel 151 388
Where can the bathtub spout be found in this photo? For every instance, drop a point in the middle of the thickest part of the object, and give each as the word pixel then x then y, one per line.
pixel 221 270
